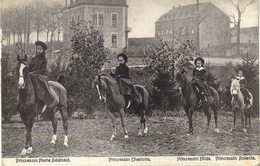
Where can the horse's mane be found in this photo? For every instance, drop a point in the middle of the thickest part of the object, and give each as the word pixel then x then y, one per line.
pixel 109 79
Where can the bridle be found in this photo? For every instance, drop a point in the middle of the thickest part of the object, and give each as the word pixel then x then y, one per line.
pixel 107 96
pixel 21 81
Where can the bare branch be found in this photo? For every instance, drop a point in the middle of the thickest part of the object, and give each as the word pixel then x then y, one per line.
pixel 233 20
pixel 231 1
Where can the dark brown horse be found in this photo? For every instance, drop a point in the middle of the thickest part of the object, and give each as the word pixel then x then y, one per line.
pixel 190 102
pixel 108 91
pixel 30 107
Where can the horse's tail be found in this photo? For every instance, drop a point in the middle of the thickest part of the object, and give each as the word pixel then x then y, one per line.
pixel 145 98
pixel 216 97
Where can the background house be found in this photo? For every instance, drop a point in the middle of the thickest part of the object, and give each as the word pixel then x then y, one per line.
pixel 249 41
pixel 110 17
pixel 180 23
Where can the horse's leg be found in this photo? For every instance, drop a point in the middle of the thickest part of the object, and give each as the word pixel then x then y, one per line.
pixel 145 122
pixel 242 113
pixel 142 121
pixel 54 126
pixel 206 111
pixel 25 121
pixel 190 113
pixel 30 126
pixel 234 118
pixel 122 116
pixel 215 110
pixel 249 116
pixel 64 115
pixel 26 139
pixel 113 118
pixel 246 117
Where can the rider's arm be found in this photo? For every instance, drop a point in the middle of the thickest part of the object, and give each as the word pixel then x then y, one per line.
pixel 42 69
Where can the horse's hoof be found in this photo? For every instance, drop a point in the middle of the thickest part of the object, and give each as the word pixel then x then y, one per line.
pixel 29 150
pixel 126 136
pixel 140 133
pixel 23 152
pixel 66 145
pixel 217 130
pixel 244 130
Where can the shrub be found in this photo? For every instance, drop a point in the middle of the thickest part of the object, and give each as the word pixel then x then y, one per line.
pixel 9 88
pixel 164 59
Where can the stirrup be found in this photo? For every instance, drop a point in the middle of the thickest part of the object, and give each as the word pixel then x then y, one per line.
pixel 44 108
pixel 128 105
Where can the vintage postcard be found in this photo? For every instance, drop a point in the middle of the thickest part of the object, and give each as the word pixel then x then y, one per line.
pixel 130 82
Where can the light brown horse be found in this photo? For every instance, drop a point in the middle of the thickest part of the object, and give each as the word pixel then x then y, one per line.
pixel 190 100
pixel 108 92
pixel 30 107
pixel 238 104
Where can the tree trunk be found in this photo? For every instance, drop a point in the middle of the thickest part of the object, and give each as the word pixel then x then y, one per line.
pixel 13 38
pixel 238 33
pixel 47 36
pixel 58 36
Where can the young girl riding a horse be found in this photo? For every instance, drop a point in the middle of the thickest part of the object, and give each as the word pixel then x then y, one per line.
pixel 38 71
pixel 243 88
pixel 122 75
pixel 199 78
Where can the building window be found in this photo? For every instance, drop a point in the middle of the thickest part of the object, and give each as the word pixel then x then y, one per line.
pixel 159 33
pixel 114 40
pixel 94 19
pixel 192 30
pixel 114 18
pixel 100 19
pixel 72 19
pixel 170 31
pixel 162 32
pixel 167 32
pixel 182 31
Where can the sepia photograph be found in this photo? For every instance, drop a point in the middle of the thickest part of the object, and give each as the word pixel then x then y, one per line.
pixel 129 82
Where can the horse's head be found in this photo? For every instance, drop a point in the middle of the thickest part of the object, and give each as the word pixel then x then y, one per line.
pixel 235 87
pixel 181 80
pixel 23 71
pixel 101 86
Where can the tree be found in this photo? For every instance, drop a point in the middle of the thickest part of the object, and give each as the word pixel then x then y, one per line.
pixel 240 6
pixel 251 73
pixel 39 6
pixel 88 56
pixel 164 60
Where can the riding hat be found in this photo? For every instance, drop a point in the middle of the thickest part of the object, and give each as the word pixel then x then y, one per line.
pixel 199 59
pixel 123 56
pixel 40 43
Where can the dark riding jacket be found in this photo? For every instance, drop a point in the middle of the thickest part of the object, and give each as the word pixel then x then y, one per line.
pixel 122 71
pixel 38 70
pixel 38 65
pixel 199 73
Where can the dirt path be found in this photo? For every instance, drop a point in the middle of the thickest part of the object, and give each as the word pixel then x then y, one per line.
pixel 167 137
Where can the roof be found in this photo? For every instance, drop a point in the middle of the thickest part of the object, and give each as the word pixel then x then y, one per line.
pixel 144 41
pixel 185 11
pixel 121 3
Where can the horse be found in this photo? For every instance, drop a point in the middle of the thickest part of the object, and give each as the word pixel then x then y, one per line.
pixel 190 102
pixel 29 107
pixel 108 91
pixel 237 103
